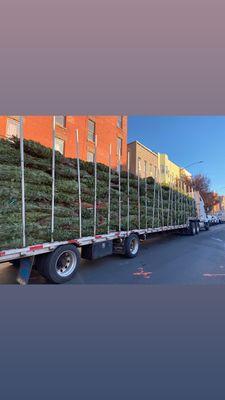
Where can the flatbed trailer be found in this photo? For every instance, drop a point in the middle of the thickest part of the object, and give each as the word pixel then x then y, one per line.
pixel 58 261
pixel 124 243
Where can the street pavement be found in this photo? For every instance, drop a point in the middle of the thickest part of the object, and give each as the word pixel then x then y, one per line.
pixel 163 260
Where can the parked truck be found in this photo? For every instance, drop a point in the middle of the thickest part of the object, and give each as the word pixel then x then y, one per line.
pixel 59 261
pixel 204 221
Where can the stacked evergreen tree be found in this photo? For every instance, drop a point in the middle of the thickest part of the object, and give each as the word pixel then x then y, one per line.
pixel 156 205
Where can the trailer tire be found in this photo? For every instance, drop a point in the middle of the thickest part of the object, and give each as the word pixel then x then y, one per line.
pixel 131 246
pixel 197 228
pixel 60 265
pixel 192 228
pixel 206 226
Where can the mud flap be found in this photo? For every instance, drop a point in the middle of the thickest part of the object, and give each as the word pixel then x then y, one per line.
pixel 25 269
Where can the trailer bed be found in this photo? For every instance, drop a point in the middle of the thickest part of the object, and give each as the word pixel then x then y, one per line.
pixel 30 251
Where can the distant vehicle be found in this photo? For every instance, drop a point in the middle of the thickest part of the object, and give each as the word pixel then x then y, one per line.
pixel 215 219
pixel 210 219
pixel 204 221
pixel 221 217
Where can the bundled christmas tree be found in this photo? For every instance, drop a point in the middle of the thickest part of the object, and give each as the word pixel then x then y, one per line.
pixel 150 204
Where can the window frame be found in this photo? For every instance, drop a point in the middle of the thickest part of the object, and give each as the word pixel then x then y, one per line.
pixel 90 152
pixel 90 132
pixel 62 141
pixel 119 147
pixel 58 123
pixel 16 123
pixel 120 122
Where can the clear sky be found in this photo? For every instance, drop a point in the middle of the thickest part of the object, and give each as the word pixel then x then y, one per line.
pixel 186 140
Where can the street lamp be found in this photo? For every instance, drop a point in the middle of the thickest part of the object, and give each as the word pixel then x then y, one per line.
pixel 190 165
pixel 182 176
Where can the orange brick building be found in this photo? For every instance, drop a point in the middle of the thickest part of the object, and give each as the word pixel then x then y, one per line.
pixel 108 129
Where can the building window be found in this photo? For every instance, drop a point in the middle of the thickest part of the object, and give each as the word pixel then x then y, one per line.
pixel 163 171
pixel 120 122
pixel 119 146
pixel 139 165
pixel 59 145
pixel 146 168
pixel 13 128
pixel 60 120
pixel 90 156
pixel 91 130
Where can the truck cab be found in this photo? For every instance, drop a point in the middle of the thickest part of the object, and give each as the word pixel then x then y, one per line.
pixel 200 207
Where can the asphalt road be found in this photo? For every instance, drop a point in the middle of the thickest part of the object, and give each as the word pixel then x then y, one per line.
pixel 171 259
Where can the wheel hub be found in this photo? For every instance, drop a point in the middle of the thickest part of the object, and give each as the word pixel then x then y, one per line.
pixel 134 246
pixel 66 263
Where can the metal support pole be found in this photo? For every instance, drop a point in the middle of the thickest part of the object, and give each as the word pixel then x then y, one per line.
pixel 158 197
pixel 169 198
pixel 109 188
pixel 128 192
pixel 187 203
pixel 154 195
pixel 146 198
pixel 119 172
pixel 184 204
pixel 139 200
pixel 79 183
pixel 193 199
pixel 22 182
pixel 95 187
pixel 172 201
pixel 162 205
pixel 178 207
pixel 53 179
pixel 181 201
pixel 175 201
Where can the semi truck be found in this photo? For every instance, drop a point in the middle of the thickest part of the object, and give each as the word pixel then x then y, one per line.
pixel 58 261
pixel 204 222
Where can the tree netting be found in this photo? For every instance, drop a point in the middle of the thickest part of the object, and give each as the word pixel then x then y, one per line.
pixel 151 205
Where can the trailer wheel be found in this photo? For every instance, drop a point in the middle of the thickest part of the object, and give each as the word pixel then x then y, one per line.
pixel 197 228
pixel 61 265
pixel 192 228
pixel 206 226
pixel 131 246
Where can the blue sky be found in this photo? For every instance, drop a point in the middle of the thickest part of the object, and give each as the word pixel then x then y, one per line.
pixel 186 140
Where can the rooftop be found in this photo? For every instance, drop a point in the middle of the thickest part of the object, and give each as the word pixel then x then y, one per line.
pixel 142 145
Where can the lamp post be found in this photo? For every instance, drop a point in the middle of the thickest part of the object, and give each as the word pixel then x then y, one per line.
pixel 190 165
pixel 184 168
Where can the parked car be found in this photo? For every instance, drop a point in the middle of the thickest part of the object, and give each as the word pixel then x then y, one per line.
pixel 215 219
pixel 221 217
pixel 210 219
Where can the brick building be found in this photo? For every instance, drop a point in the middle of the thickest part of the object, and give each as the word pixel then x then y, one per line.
pixel 170 171
pixel 220 205
pixel 142 160
pixel 108 129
